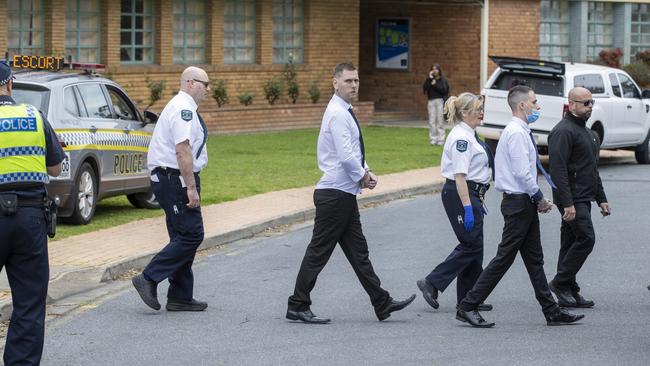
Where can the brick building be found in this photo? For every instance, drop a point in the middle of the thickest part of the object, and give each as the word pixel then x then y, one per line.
pixel 247 42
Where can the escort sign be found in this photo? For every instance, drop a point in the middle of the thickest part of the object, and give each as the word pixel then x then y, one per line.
pixel 393 41
pixel 38 62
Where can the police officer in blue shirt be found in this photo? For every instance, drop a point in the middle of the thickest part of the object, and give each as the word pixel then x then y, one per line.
pixel 29 151
pixel 467 164
pixel 177 153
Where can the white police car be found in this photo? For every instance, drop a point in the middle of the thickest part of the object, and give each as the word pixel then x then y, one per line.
pixel 103 134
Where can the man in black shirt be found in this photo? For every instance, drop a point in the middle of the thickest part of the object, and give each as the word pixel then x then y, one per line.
pixel 573 153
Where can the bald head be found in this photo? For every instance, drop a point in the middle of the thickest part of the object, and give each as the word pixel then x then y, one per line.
pixel 194 81
pixel 580 102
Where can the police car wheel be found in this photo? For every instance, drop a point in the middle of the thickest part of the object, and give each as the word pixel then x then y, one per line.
pixel 143 200
pixel 85 196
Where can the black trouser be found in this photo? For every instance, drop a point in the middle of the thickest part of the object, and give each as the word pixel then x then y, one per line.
pixel 520 234
pixel 337 221
pixel 466 260
pixel 185 228
pixel 23 252
pixel 577 239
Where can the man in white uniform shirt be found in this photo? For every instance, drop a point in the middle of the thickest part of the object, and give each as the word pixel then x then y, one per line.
pixel 177 154
pixel 516 165
pixel 341 157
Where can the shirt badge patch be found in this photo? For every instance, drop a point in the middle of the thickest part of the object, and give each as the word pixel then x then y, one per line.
pixel 186 115
pixel 461 145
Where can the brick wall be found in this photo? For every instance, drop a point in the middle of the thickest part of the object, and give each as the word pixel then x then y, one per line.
pixel 514 29
pixel 444 34
pixel 273 118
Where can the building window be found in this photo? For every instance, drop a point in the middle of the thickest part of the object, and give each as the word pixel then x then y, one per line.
pixel 640 28
pixel 136 31
pixel 82 27
pixel 288 28
pixel 554 30
pixel 600 28
pixel 25 26
pixel 239 31
pixel 189 31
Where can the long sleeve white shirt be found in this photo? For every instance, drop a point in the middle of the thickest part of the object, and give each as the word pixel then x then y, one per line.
pixel 339 150
pixel 516 160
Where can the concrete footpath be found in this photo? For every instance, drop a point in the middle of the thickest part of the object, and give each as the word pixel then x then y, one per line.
pixel 82 263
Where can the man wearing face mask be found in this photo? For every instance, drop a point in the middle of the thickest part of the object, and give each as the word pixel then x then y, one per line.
pixel 573 157
pixel 516 164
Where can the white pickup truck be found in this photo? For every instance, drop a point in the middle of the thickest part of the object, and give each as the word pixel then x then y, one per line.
pixel 620 117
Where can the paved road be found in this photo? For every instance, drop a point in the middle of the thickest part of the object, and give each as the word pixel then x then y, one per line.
pixel 247 286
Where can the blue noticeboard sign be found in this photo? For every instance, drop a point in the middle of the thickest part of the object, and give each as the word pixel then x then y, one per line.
pixel 393 41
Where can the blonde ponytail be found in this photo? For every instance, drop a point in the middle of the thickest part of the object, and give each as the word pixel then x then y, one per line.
pixel 456 106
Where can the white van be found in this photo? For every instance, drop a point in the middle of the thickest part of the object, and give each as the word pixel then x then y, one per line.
pixel 620 117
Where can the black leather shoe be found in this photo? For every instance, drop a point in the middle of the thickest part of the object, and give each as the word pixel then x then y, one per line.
pixel 481 307
pixel 392 307
pixel 185 305
pixel 306 316
pixel 429 293
pixel 564 297
pixel 474 318
pixel 562 317
pixel 581 302
pixel 147 291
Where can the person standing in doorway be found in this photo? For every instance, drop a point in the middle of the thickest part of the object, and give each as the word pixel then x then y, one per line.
pixel 573 156
pixel 342 158
pixel 436 89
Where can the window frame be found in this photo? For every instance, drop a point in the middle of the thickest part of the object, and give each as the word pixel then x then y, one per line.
pixel 593 46
pixel 638 46
pixel 613 77
pixel 585 85
pixel 235 18
pixel 106 99
pixel 77 31
pixel 184 47
pixel 22 49
pixel 636 87
pixel 281 21
pixel 550 22
pixel 133 30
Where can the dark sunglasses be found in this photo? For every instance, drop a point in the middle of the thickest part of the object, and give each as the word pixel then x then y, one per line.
pixel 205 83
pixel 586 103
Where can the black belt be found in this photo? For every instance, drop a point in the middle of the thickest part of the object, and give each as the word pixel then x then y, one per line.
pixel 479 188
pixel 165 170
pixel 517 196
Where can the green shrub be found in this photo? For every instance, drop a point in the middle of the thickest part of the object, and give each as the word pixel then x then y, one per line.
pixel 156 89
pixel 291 77
pixel 314 92
pixel 219 92
pixel 272 90
pixel 245 98
pixel 639 71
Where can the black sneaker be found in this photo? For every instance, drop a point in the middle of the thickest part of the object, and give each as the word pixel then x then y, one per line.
pixel 147 291
pixel 185 305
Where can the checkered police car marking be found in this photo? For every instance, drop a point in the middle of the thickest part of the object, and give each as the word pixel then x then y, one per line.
pixel 104 140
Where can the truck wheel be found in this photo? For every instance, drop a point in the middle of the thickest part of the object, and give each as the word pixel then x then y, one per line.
pixel 85 196
pixel 642 152
pixel 492 144
pixel 143 199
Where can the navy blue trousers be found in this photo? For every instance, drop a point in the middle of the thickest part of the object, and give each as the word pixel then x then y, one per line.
pixel 185 228
pixel 23 253
pixel 465 262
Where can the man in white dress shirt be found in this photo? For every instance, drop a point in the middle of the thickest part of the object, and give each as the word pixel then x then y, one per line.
pixel 516 165
pixel 342 158
pixel 177 154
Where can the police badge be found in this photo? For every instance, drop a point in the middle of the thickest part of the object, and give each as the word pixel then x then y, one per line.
pixel 186 115
pixel 461 145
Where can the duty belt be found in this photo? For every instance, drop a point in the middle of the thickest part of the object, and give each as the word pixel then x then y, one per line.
pixel 479 188
pixel 165 170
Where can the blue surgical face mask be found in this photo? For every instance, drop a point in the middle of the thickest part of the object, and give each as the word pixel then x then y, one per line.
pixel 533 116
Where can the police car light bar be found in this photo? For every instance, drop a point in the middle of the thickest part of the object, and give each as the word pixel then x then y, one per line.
pixel 51 63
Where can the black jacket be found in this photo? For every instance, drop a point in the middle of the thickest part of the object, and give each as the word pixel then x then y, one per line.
pixel 573 155
pixel 440 90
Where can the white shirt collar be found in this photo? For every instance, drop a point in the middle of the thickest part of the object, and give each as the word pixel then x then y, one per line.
pixel 188 98
pixel 521 123
pixel 466 127
pixel 341 102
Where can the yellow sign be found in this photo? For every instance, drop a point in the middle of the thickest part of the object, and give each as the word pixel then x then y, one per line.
pixel 38 62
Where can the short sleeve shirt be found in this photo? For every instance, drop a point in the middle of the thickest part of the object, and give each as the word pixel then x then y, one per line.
pixel 179 121
pixel 463 154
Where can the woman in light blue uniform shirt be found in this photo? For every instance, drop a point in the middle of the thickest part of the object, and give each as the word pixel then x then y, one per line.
pixel 467 164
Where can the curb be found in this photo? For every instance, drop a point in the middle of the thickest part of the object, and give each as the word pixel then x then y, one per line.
pixel 114 270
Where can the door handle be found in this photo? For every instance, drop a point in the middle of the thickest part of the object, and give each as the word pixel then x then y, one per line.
pixel 126 130
pixel 93 129
pixel 629 107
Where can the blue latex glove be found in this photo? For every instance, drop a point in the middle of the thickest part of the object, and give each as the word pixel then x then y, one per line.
pixel 469 218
